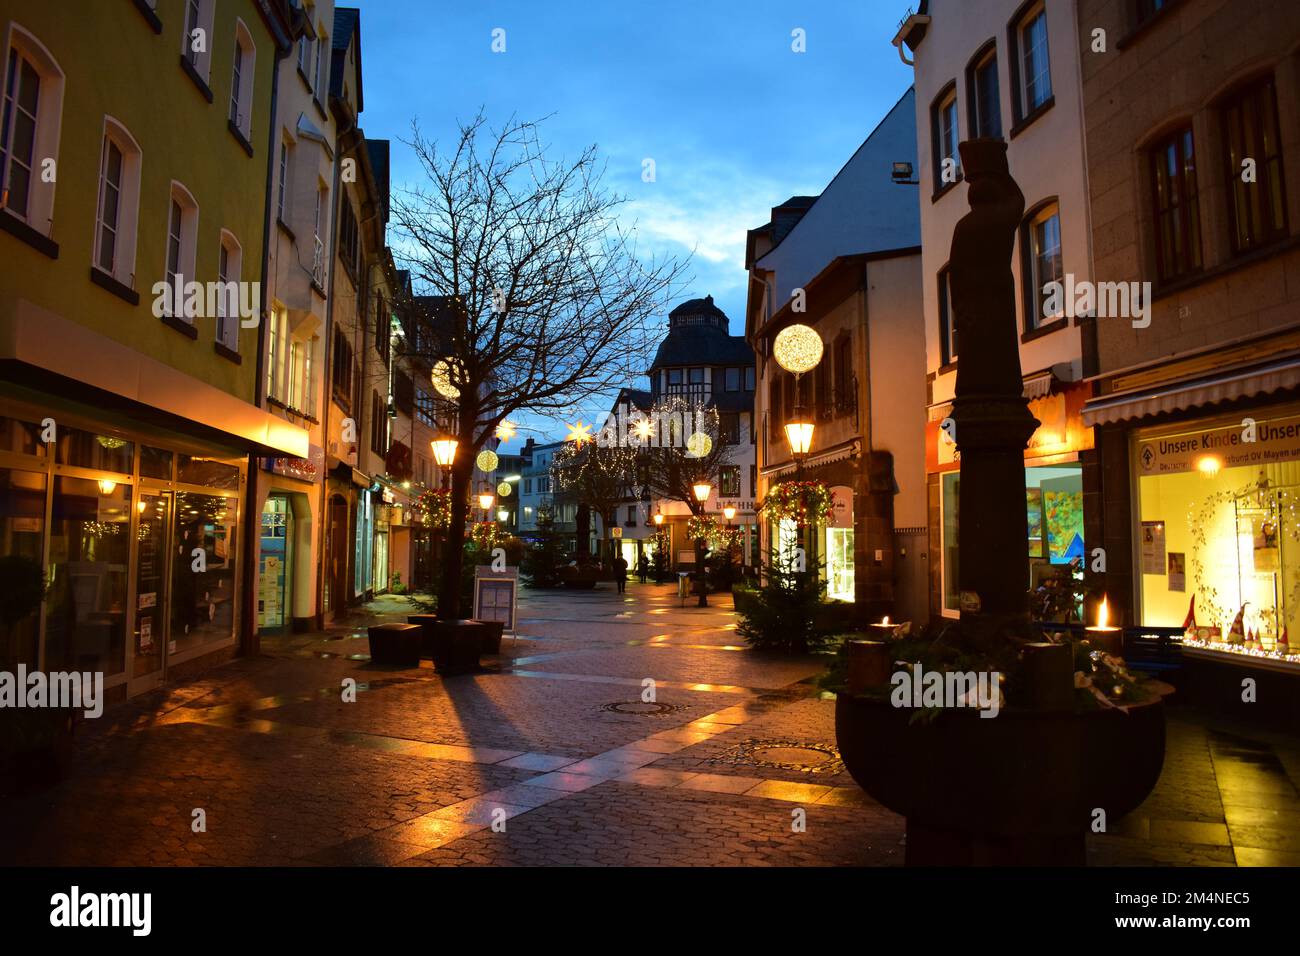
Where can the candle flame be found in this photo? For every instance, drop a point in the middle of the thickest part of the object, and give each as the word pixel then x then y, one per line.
pixel 885 620
pixel 1103 613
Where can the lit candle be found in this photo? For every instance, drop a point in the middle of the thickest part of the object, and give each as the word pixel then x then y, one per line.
pixel 885 627
pixel 1102 635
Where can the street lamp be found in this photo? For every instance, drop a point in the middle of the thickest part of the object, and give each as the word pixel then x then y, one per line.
pixel 659 518
pixel 444 453
pixel 702 490
pixel 799 433
pixel 729 512
pixel 485 499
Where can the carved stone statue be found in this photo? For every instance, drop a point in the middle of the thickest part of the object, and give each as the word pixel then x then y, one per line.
pixel 993 423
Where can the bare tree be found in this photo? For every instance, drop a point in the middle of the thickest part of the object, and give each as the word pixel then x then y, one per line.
pixel 596 476
pixel 548 299
pixel 675 459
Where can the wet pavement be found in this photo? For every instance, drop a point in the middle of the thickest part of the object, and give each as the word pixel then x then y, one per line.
pixel 557 755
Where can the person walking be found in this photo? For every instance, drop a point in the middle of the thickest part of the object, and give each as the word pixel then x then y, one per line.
pixel 620 573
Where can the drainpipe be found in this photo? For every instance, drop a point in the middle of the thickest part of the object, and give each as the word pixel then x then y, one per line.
pixel 250 640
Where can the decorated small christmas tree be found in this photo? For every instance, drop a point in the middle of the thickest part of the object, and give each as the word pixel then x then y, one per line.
pixel 545 555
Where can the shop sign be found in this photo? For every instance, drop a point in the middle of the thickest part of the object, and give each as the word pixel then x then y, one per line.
pixel 1222 446
pixel 616 532
pixel 841 507
pixel 304 469
pixel 1060 430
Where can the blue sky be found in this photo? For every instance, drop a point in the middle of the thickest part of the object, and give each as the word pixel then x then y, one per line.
pixel 734 119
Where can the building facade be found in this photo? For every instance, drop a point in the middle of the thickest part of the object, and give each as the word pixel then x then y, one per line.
pixel 847 263
pixel 1194 167
pixel 131 302
pixel 1008 69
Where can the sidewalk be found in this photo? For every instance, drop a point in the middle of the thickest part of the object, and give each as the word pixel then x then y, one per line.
pixel 557 745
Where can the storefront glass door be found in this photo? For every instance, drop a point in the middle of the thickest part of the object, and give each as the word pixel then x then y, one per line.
pixel 273 578
pixel 151 577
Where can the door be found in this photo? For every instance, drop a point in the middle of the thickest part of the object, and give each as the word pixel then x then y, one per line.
pixel 152 575
pixel 274 570
pixel 337 568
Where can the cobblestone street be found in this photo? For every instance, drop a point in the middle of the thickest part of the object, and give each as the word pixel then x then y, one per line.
pixel 556 736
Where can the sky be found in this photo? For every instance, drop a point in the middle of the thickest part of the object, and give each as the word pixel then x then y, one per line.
pixel 712 91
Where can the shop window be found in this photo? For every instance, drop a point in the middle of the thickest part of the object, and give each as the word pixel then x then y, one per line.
pixel 90 546
pixel 209 472
pixel 22 438
pixel 85 449
pixel 839 564
pixel 203 601
pixel 1041 263
pixel 1177 221
pixel 155 463
pixel 1257 208
pixel 22 534
pixel 1216 522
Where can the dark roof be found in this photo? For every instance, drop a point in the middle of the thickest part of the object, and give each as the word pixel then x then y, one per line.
pixel 702 345
pixel 378 150
pixel 347 20
pixel 703 306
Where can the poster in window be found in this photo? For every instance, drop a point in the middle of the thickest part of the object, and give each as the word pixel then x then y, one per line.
pixel 1266 545
pixel 1153 547
pixel 1177 571
pixel 1034 504
pixel 1063 519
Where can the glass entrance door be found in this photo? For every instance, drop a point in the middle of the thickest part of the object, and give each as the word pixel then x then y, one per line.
pixel 151 579
pixel 274 561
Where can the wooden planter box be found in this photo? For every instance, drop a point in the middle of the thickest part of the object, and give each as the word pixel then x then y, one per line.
pixel 457 645
pixel 395 644
pixel 492 631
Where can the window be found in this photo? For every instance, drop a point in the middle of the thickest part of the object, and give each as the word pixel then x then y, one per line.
pixel 322 65
pixel 309 370
pixel 1177 223
pixel 342 371
pixel 774 413
pixel 733 379
pixel 943 125
pixel 29 129
pixel 293 393
pixel 1146 9
pixel 182 235
pixel 729 481
pixel 304 57
pixel 241 81
pixel 697 376
pixel 1032 68
pixel 383 329
pixel 378 424
pixel 229 264
pixel 749 379
pixel 119 192
pixel 824 409
pixel 729 428
pixel 845 396
pixel 1040 243
pixel 1257 209
pixel 273 350
pixel 528 486
pixel 982 90
pixel 674 376
pixel 318 231
pixel 753 479
pixel 947 324
pixel 196 42
pixel 282 181
pixel 349 252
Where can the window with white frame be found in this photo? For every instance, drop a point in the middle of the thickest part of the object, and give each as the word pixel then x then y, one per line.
pixel 318 235
pixel 29 130
pixel 944 137
pixel 196 41
pixel 118 203
pixel 1040 239
pixel 229 263
pixel 275 323
pixel 241 80
pixel 322 65
pixel 182 242
pixel 1034 67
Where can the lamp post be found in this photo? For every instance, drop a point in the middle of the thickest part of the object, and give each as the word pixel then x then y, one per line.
pixel 444 454
pixel 701 490
pixel 797 349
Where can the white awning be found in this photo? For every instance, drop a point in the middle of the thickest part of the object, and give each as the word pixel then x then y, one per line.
pixel 838 453
pixel 1181 396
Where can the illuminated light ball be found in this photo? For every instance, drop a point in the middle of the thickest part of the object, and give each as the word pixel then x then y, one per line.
pixel 506 430
pixel 699 445
pixel 487 460
pixel 441 377
pixel 503 489
pixel 798 348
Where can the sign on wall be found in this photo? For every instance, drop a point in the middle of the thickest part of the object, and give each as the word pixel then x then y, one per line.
pixel 1222 446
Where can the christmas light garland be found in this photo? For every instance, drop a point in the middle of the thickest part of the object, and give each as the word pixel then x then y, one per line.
pixel 801 501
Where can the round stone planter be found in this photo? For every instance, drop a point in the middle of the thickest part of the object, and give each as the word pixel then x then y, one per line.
pixel 1021 788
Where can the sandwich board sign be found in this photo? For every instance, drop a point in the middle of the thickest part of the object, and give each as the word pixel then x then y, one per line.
pixel 494 595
